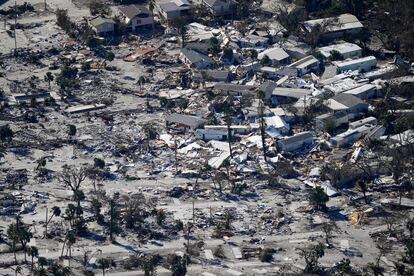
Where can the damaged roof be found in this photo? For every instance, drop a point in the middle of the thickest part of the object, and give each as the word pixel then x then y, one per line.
pixel 131 11
pixel 194 56
pixel 187 120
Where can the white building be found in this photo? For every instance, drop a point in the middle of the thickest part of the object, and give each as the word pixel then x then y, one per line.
pixel 170 9
pixel 334 27
pixel 276 55
pixel 102 26
pixel 346 49
pixel 364 92
pixel 212 134
pixel 306 65
pixel 296 141
pixel 361 64
pixel 220 7
pixel 136 17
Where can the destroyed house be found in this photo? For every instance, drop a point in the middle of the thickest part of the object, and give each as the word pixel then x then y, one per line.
pixel 136 17
pixel 361 64
pixel 239 129
pixel 185 121
pixel 350 136
pixel 275 73
pixel 296 141
pixel 285 95
pixel 208 134
pixel 267 88
pixel 220 7
pixel 102 26
pixel 276 55
pixel 235 89
pixel 195 59
pixel 26 97
pixel 348 103
pixel 322 122
pixel 334 27
pixel 365 121
pixel 346 50
pixel 306 65
pixel 366 91
pixel 171 9
pixel 212 75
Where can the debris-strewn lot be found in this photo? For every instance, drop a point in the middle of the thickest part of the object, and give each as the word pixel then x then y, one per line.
pixel 206 138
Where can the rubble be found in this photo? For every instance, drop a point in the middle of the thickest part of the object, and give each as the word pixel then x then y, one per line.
pixel 223 144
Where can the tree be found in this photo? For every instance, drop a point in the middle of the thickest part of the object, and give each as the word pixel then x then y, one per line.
pixel 64 22
pixel 261 108
pixel 2 152
pixel 375 268
pixel 6 134
pixel 253 54
pixel 18 270
pixel 55 213
pixel 72 130
pixel 243 8
pixel 362 185
pixel 214 46
pixel 70 240
pixel 229 120
pixel 67 78
pixel 13 236
pixel 96 206
pixel 49 78
pixel 179 24
pixel 24 236
pixel 33 252
pixel 103 264
pixel 265 60
pixel 98 163
pixel 160 217
pixel 73 177
pixel 311 255
pixel 266 254
pixel 141 81
pixel 148 264
pixel 114 216
pixel 318 198
pixel 228 54
pixel 178 266
pixel 97 7
pixel 327 229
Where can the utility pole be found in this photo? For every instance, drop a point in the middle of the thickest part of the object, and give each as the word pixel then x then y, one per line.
pixel 193 213
pixel 15 24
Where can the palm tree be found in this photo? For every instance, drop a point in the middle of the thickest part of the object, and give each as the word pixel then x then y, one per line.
pixel 48 78
pixel 141 82
pixel 55 213
pixel 13 236
pixel 17 270
pixel 2 152
pixel 33 252
pixel 103 264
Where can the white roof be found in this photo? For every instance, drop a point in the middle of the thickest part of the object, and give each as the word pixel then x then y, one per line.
pixel 341 23
pixel 334 105
pixel 304 62
pixel 361 89
pixel 275 53
pixel 355 61
pixel 342 48
pixel 276 121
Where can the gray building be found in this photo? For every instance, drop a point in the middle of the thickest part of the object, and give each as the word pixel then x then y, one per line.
pixel 185 121
pixel 296 141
